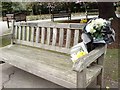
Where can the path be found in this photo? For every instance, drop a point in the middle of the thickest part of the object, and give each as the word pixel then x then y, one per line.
pixel 13 77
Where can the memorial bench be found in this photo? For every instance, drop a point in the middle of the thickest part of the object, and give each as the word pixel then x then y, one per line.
pixel 92 12
pixel 16 16
pixel 43 49
pixel 61 14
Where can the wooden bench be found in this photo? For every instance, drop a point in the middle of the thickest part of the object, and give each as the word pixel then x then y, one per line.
pixel 44 50
pixel 61 14
pixel 92 12
pixel 16 16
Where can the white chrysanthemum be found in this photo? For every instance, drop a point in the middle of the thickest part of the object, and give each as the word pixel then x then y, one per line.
pixel 89 28
pixel 98 23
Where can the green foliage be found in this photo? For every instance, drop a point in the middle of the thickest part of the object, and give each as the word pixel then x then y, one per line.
pixel 11 7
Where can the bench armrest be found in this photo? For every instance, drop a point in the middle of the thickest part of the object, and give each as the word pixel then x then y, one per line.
pixel 86 60
pixel 9 35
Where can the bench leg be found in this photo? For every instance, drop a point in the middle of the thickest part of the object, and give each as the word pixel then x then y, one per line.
pixel 8 23
pixel 81 80
pixel 100 79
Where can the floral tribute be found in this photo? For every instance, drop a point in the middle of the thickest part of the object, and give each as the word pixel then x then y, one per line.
pixel 97 31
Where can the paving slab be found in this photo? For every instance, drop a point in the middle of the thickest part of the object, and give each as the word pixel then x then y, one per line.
pixel 13 77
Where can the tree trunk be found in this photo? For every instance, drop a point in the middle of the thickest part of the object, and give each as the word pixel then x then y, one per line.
pixel 106 10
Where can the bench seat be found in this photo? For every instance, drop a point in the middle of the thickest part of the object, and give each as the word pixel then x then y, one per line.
pixel 50 65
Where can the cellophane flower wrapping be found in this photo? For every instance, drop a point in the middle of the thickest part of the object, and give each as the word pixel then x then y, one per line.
pixel 78 51
pixel 99 30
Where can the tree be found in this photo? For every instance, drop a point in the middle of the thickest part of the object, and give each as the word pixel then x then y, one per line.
pixel 106 11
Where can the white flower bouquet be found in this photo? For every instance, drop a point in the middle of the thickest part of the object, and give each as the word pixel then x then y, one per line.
pixel 100 31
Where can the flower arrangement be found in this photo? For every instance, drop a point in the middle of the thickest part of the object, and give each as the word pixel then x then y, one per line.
pixel 78 51
pixel 97 31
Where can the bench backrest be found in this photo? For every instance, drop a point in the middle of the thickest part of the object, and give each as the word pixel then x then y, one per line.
pixel 51 36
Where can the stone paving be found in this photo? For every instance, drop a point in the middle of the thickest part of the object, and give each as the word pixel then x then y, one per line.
pixel 13 77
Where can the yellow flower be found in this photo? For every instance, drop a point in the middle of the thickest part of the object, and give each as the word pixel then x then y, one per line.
pixel 80 54
pixel 83 21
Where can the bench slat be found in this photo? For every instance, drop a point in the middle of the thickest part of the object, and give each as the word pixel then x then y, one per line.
pixel 28 33
pixel 37 35
pixel 68 39
pixel 76 37
pixel 20 32
pixel 16 32
pixel 61 37
pixel 24 33
pixel 32 34
pixel 48 35
pixel 55 67
pixel 54 36
pixel 44 46
pixel 43 35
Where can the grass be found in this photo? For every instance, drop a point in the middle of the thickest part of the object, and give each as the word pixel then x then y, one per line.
pixel 111 67
pixel 111 64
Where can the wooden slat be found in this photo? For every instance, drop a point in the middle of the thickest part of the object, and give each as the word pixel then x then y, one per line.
pixel 28 33
pixel 23 33
pixel 60 72
pixel 16 32
pixel 34 65
pixel 20 32
pixel 43 35
pixel 81 79
pixel 32 34
pixel 61 37
pixel 12 31
pixel 68 38
pixel 62 25
pixel 100 79
pixel 48 36
pixel 54 36
pixel 37 35
pixel 86 60
pixel 76 37
pixel 45 46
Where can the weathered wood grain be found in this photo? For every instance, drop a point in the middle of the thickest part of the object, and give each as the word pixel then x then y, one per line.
pixel 37 35
pixel 16 32
pixel 52 61
pixel 54 37
pixel 48 36
pixel 32 33
pixel 76 37
pixel 55 67
pixel 86 60
pixel 44 46
pixel 28 33
pixel 68 38
pixel 43 35
pixel 20 32
pixel 81 79
pixel 24 33
pixel 61 37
